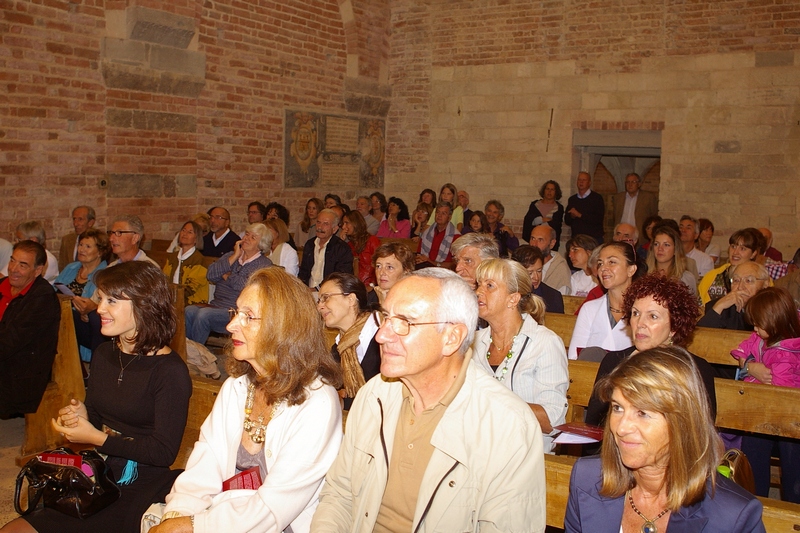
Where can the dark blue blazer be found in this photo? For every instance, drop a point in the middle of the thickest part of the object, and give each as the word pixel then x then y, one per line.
pixel 553 301
pixel 731 510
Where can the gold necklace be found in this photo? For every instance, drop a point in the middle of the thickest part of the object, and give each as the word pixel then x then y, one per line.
pixel 649 525
pixel 256 429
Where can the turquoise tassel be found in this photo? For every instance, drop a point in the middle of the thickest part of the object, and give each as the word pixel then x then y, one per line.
pixel 129 473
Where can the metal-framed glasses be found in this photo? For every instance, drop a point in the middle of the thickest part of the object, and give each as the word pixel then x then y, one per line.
pixel 325 296
pixel 118 233
pixel 401 325
pixel 243 317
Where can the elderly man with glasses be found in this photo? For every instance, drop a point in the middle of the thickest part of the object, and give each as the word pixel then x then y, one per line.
pixel 436 443
pixel 727 312
pixel 220 240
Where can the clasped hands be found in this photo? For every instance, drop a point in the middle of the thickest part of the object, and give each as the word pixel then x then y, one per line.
pixel 73 423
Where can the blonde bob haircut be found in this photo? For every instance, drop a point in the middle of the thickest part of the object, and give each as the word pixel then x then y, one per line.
pixel 664 380
pixel 516 279
pixel 290 342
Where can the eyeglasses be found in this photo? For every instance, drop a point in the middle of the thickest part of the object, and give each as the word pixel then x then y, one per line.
pixel 747 280
pixel 324 297
pixel 400 325
pixel 119 232
pixel 218 217
pixel 242 316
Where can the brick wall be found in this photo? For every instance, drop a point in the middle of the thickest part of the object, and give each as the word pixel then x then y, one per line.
pixel 179 106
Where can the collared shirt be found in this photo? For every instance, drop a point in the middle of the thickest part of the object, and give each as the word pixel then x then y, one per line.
pixel 411 453
pixel 216 240
pixel 176 277
pixel 364 338
pixel 318 270
pixel 629 212
pixel 776 269
pixel 6 297
pixel 584 195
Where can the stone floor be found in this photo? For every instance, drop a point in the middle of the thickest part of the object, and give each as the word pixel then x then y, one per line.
pixel 11 433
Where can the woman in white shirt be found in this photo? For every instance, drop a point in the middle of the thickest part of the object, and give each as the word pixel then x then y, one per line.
pixel 600 322
pixel 282 254
pixel 278 415
pixel 580 249
pixel 523 355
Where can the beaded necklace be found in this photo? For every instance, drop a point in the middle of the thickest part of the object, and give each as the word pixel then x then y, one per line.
pixel 256 429
pixel 649 525
pixel 508 357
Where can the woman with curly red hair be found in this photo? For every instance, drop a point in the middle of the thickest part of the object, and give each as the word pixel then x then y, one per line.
pixel 661 311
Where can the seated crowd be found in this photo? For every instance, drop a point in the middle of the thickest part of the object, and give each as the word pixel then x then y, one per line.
pixel 449 305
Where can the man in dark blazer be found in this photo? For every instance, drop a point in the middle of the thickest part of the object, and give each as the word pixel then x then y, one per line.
pixel 585 210
pixel 334 253
pixel 29 320
pixel 644 203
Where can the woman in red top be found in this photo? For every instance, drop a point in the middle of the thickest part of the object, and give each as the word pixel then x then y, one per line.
pixel 363 245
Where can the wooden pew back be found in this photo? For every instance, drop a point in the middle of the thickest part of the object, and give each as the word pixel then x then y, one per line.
pixel 743 406
pixel 713 345
pixel 66 382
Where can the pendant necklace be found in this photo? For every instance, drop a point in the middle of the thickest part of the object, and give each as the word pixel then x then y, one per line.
pixel 256 429
pixel 122 368
pixel 649 525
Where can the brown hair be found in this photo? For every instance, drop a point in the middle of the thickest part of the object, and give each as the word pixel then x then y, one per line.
pixel 678 265
pixel 279 227
pixel 306 223
pixel 148 291
pixel 360 233
pixel 100 240
pixel 290 343
pixel 402 253
pixel 773 310
pixel 666 381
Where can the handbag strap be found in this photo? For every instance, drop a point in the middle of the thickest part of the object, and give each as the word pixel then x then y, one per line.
pixel 35 490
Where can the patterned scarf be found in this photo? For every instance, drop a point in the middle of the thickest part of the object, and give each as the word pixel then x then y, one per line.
pixel 444 247
pixel 351 368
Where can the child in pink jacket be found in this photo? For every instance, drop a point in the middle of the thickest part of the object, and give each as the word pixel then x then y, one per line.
pixel 775 343
pixel 771 355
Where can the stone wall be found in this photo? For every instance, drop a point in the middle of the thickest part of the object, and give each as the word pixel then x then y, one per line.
pixel 488 95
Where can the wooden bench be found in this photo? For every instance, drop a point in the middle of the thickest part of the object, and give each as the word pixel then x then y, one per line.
pixel 742 406
pixel 713 345
pixel 66 382
pixel 572 303
pixel 778 516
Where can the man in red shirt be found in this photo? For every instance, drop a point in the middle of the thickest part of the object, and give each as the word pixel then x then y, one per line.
pixel 29 321
pixel 434 247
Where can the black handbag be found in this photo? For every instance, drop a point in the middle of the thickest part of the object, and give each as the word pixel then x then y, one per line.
pixel 67 488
